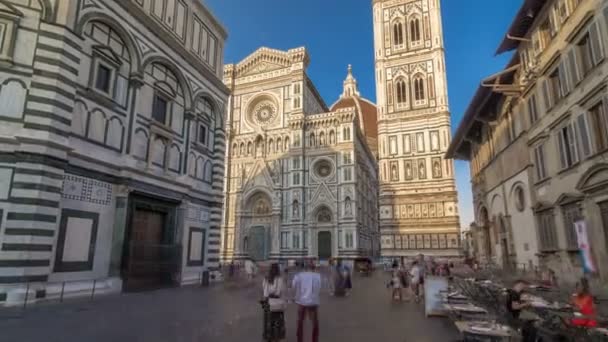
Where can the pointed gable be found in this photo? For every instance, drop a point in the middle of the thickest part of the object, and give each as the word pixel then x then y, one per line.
pixel 265 60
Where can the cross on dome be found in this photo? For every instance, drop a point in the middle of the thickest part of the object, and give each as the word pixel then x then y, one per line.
pixel 350 85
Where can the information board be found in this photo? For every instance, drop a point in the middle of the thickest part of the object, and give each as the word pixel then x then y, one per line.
pixel 433 287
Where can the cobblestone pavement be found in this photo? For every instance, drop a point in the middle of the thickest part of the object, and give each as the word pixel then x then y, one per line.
pixel 224 313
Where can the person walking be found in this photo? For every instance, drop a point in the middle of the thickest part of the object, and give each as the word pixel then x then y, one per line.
pixel 250 269
pixel 415 280
pixel 396 284
pixel 274 305
pixel 307 287
pixel 339 279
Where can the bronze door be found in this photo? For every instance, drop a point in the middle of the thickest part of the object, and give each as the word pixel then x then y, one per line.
pixel 324 244
pixel 145 250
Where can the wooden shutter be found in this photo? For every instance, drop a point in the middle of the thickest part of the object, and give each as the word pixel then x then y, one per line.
pixel 547 95
pixel 562 149
pixel 563 77
pixel 583 130
pixel 596 43
pixel 573 141
pixel 573 66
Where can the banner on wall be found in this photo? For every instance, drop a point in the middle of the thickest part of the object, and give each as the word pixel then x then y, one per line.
pixel 584 246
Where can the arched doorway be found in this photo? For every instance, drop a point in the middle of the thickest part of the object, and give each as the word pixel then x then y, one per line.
pixel 256 242
pixel 504 242
pixel 487 237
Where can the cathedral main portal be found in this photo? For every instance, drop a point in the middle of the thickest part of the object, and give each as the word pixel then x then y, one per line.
pixel 259 243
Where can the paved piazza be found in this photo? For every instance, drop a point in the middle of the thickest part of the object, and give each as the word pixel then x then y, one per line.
pixel 225 313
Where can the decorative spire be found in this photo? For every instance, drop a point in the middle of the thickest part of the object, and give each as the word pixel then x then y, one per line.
pixel 350 85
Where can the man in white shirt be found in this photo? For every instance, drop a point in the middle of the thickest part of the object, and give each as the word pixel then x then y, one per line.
pixel 307 286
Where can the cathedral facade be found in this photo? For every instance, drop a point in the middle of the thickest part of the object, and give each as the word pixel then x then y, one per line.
pixel 301 178
pixel 417 198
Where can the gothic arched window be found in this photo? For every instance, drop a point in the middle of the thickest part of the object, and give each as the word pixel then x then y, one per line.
pixel 415 30
pixel 419 92
pixel 398 33
pixel 401 91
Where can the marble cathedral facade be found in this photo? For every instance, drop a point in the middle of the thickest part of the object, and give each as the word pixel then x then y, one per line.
pixel 418 198
pixel 301 179
pixel 111 145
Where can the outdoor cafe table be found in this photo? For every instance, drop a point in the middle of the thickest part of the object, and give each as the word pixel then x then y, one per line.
pixel 468 311
pixel 477 329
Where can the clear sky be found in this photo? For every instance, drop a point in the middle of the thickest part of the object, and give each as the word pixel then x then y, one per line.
pixel 339 32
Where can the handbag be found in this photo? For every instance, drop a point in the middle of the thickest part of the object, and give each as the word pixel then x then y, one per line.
pixel 277 304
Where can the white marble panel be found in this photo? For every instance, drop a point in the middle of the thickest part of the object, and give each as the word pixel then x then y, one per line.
pixel 196 246
pixel 77 240
pixel 12 99
pixel 5 182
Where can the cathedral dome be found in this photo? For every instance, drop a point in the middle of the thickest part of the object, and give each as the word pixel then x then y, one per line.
pixel 367 111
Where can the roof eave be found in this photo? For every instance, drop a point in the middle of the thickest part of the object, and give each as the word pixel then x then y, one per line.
pixel 523 21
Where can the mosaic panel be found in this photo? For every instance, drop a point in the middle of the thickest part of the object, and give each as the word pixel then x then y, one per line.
pixel 86 190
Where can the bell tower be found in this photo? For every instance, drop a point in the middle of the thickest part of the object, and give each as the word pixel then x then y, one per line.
pixel 418 199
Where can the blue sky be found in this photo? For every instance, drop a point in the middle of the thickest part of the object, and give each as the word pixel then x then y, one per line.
pixel 339 32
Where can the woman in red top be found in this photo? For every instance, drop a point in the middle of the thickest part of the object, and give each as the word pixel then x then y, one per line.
pixel 583 303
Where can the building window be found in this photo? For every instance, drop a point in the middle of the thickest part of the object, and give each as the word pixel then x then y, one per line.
pixel 350 241
pixel 519 197
pixel 347 158
pixel 546 231
pixel 583 132
pixel 597 50
pixel 295 163
pixel 585 54
pixel 348 174
pixel 419 92
pixel 599 121
pixel 340 243
pixel 401 92
pixel 398 34
pixel 568 147
pixel 284 240
pixel 571 213
pixel 415 30
pixel 532 109
pixel 295 241
pixel 545 33
pixel 202 134
pixel 346 133
pixel 103 78
pixel 160 108
pixel 539 159
pixel 296 178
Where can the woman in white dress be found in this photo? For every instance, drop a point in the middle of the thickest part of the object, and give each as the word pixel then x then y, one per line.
pixel 274 305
